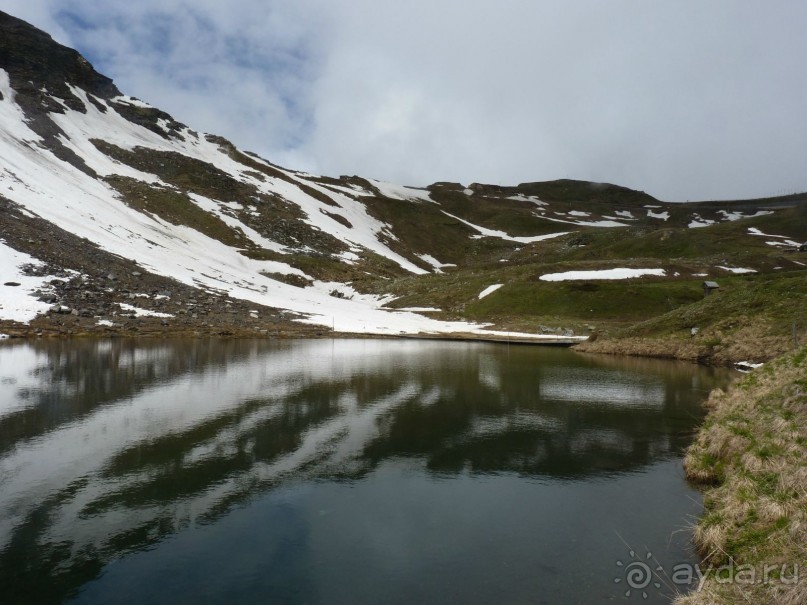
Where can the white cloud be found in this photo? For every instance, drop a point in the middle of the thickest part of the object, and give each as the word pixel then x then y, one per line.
pixel 683 100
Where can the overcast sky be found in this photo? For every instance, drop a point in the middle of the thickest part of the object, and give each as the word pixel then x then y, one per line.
pixel 684 99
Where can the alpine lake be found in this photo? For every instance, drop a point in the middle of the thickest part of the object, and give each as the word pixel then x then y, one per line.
pixel 343 471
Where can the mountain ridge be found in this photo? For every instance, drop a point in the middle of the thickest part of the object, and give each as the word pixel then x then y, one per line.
pixel 202 237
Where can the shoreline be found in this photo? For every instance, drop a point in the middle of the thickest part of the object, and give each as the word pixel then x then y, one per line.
pixel 727 353
pixel 750 461
pixel 149 327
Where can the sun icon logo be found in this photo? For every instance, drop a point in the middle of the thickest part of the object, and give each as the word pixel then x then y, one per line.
pixel 638 574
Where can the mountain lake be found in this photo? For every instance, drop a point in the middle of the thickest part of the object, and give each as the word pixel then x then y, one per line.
pixel 343 471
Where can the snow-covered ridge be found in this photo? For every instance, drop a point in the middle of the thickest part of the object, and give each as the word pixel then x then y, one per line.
pixel 45 186
pixel 332 219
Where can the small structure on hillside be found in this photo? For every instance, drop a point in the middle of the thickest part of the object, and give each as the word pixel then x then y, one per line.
pixel 710 287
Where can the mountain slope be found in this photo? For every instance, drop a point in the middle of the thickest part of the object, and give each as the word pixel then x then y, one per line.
pixel 116 217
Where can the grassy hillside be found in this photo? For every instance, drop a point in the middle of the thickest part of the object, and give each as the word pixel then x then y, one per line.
pixel 751 454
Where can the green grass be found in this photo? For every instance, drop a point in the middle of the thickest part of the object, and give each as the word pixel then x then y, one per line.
pixel 184 172
pixel 176 208
pixel 755 507
pixel 779 300
pixel 591 300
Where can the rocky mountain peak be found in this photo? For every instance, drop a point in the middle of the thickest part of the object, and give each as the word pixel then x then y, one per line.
pixel 35 63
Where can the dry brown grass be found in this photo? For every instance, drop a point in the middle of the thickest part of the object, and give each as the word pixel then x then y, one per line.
pixel 751 453
pixel 714 346
pixel 665 348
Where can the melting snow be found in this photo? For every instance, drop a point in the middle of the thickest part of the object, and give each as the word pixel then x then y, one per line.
pixel 438 266
pixel 142 312
pixel 586 223
pixel 16 302
pixel 489 290
pixel 349 257
pixel 502 235
pixel 56 191
pixel 787 243
pixel 662 215
pixel 697 221
pixel 619 273
pixel 351 190
pixel 132 101
pixel 401 192
pixel 418 309
pixel 215 209
pixel 737 269
pixel 527 198
pixel 755 231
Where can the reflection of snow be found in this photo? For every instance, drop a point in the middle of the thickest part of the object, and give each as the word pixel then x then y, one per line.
pixel 218 414
pixel 487 426
pixel 599 390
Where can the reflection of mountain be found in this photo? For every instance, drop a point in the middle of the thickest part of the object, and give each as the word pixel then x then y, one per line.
pixel 108 446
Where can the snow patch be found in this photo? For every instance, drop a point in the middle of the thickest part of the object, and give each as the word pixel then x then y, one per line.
pixel 698 222
pixel 17 302
pixel 485 232
pixel 738 270
pixel 418 309
pixel 747 366
pixel 619 273
pixel 214 208
pixel 142 312
pixel 489 290
pixel 527 198
pixel 127 100
pixel 438 266
pixel 401 192
pixel 661 215
pixel 586 223
pixel 788 243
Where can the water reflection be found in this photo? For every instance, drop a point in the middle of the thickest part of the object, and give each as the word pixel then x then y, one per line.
pixel 108 447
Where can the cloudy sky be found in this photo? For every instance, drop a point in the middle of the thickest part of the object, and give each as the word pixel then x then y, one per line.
pixel 683 99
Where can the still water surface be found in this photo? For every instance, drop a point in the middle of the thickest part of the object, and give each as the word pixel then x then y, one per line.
pixel 347 471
